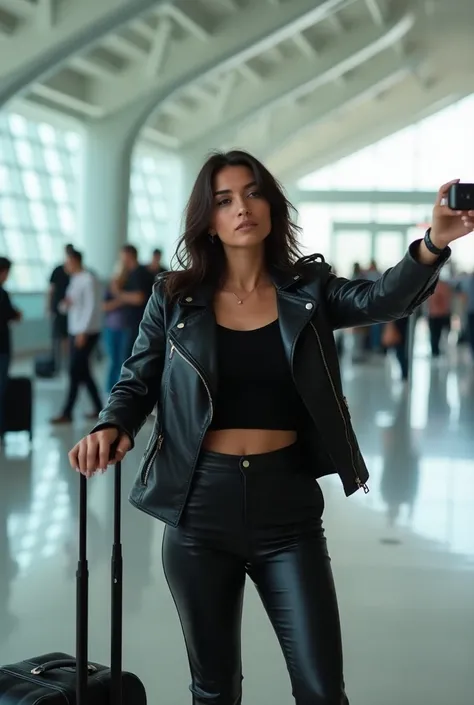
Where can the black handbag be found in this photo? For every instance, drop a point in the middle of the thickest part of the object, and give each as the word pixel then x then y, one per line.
pixel 59 678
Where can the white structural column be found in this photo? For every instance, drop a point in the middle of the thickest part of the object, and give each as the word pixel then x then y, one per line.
pixel 192 161
pixel 104 198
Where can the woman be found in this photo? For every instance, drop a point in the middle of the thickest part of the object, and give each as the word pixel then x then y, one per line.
pixel 237 351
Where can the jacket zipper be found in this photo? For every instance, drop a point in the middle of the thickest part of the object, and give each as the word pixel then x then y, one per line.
pixel 359 482
pixel 155 448
pixel 172 352
pixel 160 437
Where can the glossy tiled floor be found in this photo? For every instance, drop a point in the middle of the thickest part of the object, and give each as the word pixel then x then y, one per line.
pixel 403 556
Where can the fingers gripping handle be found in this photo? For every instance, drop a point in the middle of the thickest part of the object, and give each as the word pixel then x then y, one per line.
pixel 82 596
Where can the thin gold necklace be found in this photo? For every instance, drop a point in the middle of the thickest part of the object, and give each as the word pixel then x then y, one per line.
pixel 241 300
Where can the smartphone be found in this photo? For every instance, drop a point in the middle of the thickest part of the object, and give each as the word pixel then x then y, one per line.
pixel 461 197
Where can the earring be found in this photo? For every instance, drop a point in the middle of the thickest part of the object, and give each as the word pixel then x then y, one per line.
pixel 212 238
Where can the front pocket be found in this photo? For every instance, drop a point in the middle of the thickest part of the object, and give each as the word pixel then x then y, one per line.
pixel 152 449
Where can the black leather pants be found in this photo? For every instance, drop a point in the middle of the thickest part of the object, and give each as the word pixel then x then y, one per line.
pixel 259 516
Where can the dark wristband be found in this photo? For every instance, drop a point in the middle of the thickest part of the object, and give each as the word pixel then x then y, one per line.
pixel 431 246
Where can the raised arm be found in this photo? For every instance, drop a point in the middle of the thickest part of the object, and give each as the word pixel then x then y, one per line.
pixel 398 292
pixel 403 288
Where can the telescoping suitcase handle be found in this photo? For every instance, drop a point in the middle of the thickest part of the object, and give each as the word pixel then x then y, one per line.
pixel 82 597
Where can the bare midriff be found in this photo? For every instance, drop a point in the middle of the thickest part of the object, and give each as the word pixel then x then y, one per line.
pixel 248 441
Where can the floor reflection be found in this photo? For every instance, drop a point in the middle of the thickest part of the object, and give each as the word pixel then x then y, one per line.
pixel 403 555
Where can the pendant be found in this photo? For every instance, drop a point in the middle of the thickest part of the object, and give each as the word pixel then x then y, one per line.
pixel 239 301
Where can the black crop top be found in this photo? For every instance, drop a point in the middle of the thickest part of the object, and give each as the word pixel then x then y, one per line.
pixel 255 388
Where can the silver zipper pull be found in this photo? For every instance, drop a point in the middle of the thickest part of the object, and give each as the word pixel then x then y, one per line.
pixel 172 352
pixel 161 438
pixel 362 485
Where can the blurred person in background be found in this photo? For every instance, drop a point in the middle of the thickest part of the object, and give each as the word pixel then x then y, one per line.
pixel 58 284
pixel 401 347
pixel 374 338
pixel 237 350
pixel 114 331
pixel 132 291
pixel 395 336
pixel 8 314
pixel 156 266
pixel 469 296
pixel 83 302
pixel 439 310
pixel 360 335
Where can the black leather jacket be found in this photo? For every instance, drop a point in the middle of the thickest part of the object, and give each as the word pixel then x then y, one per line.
pixel 173 367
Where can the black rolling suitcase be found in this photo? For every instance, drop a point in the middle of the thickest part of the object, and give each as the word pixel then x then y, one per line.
pixel 57 678
pixel 19 407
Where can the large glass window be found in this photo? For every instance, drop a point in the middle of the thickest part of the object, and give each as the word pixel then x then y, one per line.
pixel 38 186
pixel 154 184
pixel 320 222
pixel 420 157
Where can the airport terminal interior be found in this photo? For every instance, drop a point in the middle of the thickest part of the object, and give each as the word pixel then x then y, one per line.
pixel 362 109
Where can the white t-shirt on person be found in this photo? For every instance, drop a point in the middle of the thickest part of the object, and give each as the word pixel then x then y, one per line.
pixel 85 304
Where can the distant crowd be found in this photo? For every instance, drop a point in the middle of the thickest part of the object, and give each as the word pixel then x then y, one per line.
pixel 452 300
pixel 83 314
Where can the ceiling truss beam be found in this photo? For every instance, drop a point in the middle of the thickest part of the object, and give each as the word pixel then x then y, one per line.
pixel 46 14
pixel 143 29
pixel 380 79
pixel 239 39
pixel 229 5
pixel 68 102
pixel 39 54
pixel 159 47
pixel 187 22
pixel 123 47
pixel 375 12
pixel 250 74
pixel 225 94
pixel 300 82
pixel 306 47
pixel 21 8
pixel 94 67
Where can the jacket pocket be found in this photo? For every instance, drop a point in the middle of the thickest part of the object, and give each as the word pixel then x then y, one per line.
pixel 152 449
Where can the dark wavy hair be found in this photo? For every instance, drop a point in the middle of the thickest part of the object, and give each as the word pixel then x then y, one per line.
pixel 203 261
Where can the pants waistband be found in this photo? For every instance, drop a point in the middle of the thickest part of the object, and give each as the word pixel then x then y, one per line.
pixel 283 459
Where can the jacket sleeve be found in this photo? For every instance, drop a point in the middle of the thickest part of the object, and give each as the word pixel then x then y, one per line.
pixel 136 393
pixel 396 294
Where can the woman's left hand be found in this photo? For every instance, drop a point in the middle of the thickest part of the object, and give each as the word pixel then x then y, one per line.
pixel 448 225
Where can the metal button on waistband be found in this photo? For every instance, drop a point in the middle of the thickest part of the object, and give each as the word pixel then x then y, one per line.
pixel 189 299
pixel 309 306
pixel 180 325
pixel 246 464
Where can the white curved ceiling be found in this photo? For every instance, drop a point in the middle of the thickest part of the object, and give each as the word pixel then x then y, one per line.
pixel 299 82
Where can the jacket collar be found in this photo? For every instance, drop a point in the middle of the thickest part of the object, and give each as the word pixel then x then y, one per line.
pixel 292 283
pixel 297 299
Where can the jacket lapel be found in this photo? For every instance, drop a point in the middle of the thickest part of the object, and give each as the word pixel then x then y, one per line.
pixel 195 328
pixel 297 303
pixel 195 333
